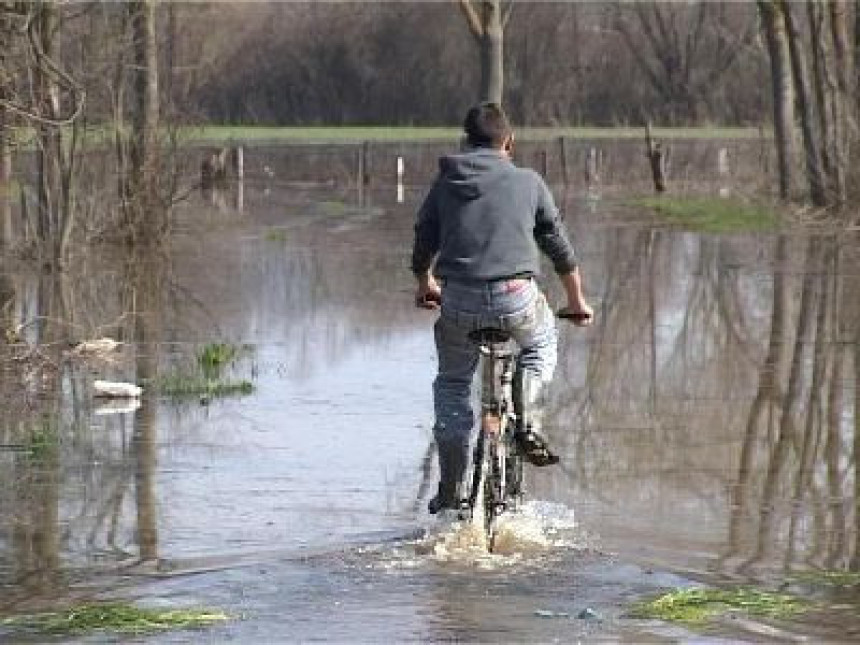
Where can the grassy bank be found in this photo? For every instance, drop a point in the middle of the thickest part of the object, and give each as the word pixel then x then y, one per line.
pixel 351 134
pixel 711 214
pixel 97 136
pixel 698 606
pixel 112 617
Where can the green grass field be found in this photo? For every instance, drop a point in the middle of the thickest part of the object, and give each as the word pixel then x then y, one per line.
pixel 101 135
pixel 351 134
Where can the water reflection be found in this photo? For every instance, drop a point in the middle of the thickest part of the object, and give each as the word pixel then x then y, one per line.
pixel 709 418
pixel 717 410
pixel 147 285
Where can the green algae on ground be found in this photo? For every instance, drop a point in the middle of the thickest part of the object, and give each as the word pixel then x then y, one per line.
pixel 712 214
pixel 183 385
pixel 696 605
pixel 113 617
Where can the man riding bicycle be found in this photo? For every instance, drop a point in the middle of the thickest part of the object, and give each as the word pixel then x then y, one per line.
pixel 484 222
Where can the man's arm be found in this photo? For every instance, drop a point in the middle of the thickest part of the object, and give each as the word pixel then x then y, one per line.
pixel 552 239
pixel 550 234
pixel 424 250
pixel 577 308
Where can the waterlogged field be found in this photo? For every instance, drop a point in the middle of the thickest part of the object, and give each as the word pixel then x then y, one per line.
pixel 272 480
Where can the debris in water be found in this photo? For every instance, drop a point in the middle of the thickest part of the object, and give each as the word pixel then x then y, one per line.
pixel 125 405
pixel 547 613
pixel 110 389
pixel 98 347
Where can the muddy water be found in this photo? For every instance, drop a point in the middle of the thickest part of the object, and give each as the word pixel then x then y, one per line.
pixel 707 423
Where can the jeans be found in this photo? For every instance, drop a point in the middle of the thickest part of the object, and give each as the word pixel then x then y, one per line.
pixel 515 305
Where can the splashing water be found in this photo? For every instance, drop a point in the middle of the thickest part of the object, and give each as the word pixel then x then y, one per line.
pixel 535 528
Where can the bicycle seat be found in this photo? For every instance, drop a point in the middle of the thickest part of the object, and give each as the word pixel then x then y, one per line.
pixel 489 336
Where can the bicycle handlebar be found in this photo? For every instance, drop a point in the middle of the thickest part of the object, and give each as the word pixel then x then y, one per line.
pixel 577 318
pixel 429 301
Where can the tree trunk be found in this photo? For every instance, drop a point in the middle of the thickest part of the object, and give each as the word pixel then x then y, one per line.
pixel 811 142
pixel 145 119
pixel 823 84
pixel 855 560
pixel 844 69
pixel 5 182
pixel 5 158
pixel 488 29
pixel 170 55
pixel 783 94
pixel 48 154
pixel 492 50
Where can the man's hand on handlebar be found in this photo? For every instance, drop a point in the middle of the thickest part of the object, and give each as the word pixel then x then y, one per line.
pixel 428 295
pixel 577 309
pixel 581 316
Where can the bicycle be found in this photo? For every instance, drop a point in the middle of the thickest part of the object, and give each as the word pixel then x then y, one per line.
pixel 497 462
pixel 497 459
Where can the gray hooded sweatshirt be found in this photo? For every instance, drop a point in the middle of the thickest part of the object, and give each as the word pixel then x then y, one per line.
pixel 486 219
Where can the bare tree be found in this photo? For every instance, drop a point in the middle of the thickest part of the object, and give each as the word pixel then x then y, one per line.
pixel 822 90
pixel 773 25
pixel 145 118
pixel 36 89
pixel 684 50
pixel 487 21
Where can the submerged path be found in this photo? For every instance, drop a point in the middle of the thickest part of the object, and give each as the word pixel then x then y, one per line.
pixel 298 507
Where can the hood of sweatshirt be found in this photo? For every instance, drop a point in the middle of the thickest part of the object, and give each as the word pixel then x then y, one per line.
pixel 470 174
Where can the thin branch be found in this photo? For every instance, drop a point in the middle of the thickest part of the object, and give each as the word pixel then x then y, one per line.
pixel 21 111
pixel 506 15
pixel 472 18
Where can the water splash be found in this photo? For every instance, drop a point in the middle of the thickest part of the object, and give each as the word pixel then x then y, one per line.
pixel 535 528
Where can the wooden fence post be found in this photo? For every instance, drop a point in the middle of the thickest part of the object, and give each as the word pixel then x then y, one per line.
pixel 5 189
pixel 657 160
pixel 562 154
pixel 365 152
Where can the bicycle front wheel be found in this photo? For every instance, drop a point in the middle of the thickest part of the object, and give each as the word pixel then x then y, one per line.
pixel 496 484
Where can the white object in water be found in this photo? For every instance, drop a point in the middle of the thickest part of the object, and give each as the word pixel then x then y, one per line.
pixel 98 346
pixel 115 390
pixel 117 406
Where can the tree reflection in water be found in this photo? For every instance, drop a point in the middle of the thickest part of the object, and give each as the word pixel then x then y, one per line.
pixel 717 408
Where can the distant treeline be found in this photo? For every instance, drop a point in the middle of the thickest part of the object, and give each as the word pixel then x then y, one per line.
pixel 417 63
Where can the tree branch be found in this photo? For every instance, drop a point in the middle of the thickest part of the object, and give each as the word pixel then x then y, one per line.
pixel 506 16
pixel 472 18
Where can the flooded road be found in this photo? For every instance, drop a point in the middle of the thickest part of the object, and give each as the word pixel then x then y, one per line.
pixel 707 425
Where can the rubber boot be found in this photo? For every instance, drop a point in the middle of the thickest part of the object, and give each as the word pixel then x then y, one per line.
pixel 528 406
pixel 453 458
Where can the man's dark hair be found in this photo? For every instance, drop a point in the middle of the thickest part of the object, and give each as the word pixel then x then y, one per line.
pixel 487 126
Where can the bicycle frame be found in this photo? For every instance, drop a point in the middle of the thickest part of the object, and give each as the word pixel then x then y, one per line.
pixel 497 474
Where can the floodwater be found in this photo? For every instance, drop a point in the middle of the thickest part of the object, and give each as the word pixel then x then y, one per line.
pixel 707 422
